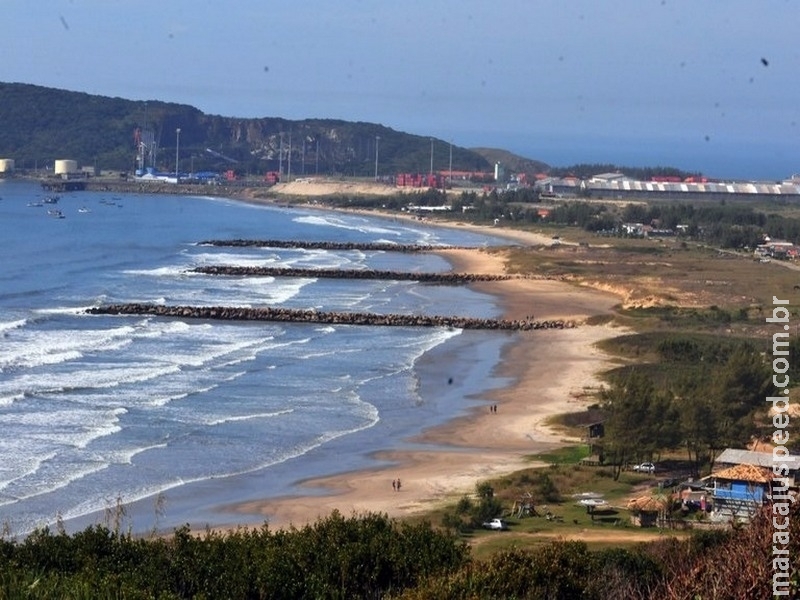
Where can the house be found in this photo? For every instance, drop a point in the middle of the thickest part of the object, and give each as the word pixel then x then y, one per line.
pixel 739 491
pixel 731 457
pixel 594 430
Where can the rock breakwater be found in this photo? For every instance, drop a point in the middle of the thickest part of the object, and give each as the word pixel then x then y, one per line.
pixel 311 245
pixel 332 318
pixel 448 278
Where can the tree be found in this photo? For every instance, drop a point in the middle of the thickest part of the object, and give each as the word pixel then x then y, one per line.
pixel 638 422
pixel 736 393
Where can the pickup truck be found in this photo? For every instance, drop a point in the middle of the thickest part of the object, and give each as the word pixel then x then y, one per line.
pixel 496 524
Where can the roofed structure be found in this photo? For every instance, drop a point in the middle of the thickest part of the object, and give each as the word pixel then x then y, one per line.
pixel 748 473
pixel 647 509
pixel 736 456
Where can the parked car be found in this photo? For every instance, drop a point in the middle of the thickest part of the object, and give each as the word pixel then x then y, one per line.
pixel 496 524
pixel 645 467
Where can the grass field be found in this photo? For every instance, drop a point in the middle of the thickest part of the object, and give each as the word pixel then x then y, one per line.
pixel 560 516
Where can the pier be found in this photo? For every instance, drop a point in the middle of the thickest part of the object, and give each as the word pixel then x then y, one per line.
pixel 64 185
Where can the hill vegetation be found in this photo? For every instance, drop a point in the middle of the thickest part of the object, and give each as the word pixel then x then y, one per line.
pixel 40 125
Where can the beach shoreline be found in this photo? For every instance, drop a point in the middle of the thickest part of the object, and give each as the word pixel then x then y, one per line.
pixel 548 373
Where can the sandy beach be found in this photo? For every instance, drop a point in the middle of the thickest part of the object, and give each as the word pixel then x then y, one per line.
pixel 549 373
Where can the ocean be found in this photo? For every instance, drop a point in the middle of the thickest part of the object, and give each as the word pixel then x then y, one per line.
pixel 173 419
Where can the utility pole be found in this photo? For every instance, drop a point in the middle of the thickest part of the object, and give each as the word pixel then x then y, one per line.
pixel 177 150
pixel 431 171
pixel 377 141
pixel 450 167
pixel 280 159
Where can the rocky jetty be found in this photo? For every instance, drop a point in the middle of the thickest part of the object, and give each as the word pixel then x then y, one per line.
pixel 309 245
pixel 448 278
pixel 312 316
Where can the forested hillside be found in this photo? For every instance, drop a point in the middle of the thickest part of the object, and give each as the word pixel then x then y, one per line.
pixel 39 125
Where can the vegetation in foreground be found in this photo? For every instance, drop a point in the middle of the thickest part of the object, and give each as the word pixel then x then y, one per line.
pixel 372 556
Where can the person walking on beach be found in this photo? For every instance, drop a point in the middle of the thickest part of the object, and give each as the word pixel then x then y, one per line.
pixel 398 484
pixel 394 484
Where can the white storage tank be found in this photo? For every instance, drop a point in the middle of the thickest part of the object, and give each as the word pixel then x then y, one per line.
pixel 66 167
pixel 6 165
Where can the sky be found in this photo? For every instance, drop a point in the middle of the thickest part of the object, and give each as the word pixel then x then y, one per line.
pixel 704 86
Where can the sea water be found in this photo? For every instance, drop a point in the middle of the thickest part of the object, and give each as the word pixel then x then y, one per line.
pixel 98 412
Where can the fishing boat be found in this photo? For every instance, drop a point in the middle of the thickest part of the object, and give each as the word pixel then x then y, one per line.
pixel 56 214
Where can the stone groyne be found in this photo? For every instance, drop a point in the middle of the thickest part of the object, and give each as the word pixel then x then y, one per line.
pixel 441 278
pixel 332 318
pixel 310 245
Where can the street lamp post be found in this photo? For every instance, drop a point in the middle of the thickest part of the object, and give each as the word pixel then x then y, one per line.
pixel 177 150
pixel 377 141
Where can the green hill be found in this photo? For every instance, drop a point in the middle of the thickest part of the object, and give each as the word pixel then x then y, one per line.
pixel 39 125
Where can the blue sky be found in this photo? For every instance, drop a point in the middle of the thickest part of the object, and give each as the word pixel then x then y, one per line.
pixel 632 82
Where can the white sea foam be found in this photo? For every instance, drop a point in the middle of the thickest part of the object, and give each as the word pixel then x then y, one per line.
pixel 96 376
pixel 8 399
pixel 352 224
pixel 26 348
pixel 21 466
pixel 9 325
pixel 173 272
pixel 125 457
pixel 57 478
pixel 254 416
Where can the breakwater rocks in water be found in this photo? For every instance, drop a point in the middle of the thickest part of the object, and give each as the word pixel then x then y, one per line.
pixel 305 245
pixel 333 318
pixel 442 278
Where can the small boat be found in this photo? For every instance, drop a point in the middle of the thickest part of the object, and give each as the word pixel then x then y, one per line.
pixel 35 204
pixel 84 209
pixel 52 199
pixel 56 214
